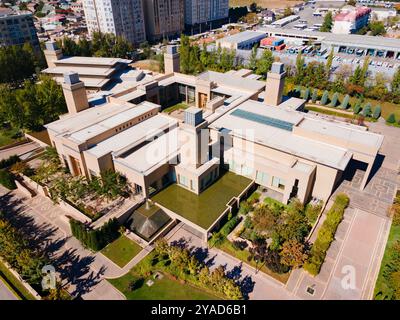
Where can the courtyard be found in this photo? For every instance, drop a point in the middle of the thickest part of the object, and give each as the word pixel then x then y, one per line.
pixel 205 208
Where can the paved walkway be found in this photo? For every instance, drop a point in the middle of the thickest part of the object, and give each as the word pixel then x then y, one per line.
pixel 18 150
pixel 6 293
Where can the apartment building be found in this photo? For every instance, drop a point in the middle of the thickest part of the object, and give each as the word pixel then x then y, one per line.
pixel 17 28
pixel 120 17
pixel 235 124
pixel 163 18
pixel 202 11
pixel 351 19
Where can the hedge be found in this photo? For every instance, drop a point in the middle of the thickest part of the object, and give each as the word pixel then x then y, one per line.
pixel 95 239
pixel 326 234
pixel 7 179
pixel 5 163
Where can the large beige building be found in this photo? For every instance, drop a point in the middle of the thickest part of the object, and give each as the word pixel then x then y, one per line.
pixel 234 122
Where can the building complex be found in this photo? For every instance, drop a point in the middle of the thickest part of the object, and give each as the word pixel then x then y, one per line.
pixel 236 133
pixel 17 28
pixel 351 19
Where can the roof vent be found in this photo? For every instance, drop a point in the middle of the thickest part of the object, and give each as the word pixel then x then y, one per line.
pixel 71 77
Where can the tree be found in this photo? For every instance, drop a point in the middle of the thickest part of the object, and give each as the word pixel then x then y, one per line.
pixel 263 219
pixel 287 12
pixel 253 7
pixel 264 64
pixel 334 100
pixel 391 118
pixel 293 253
pixel 300 70
pixel 253 59
pixel 345 102
pixel 314 96
pixel 396 82
pixel 329 63
pixel 328 23
pixel 377 28
pixel 325 97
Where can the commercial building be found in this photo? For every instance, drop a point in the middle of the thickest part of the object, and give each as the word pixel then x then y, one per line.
pixel 17 28
pixel 202 11
pixel 284 21
pixel 120 17
pixel 361 45
pixel 243 40
pixel 351 19
pixel 163 18
pixel 237 134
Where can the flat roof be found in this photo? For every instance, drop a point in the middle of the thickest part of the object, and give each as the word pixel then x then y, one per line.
pixel 340 39
pixel 133 136
pixel 88 82
pixel 84 71
pixel 242 36
pixel 179 78
pixel 111 122
pixel 280 139
pixel 92 61
pixel 152 155
pixel 344 133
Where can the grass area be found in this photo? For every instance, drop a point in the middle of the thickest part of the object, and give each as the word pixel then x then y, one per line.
pixel 382 287
pixel 335 113
pixel 148 64
pixel 162 289
pixel 8 136
pixel 178 106
pixel 205 208
pixel 121 251
pixel 14 283
pixel 242 255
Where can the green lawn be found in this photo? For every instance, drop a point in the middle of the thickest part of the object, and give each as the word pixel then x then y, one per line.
pixel 14 283
pixel 162 289
pixel 175 107
pixel 242 255
pixel 382 287
pixel 205 208
pixel 7 136
pixel 121 251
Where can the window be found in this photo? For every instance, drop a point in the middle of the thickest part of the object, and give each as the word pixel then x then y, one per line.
pixel 262 178
pixel 246 171
pixel 278 183
pixel 183 181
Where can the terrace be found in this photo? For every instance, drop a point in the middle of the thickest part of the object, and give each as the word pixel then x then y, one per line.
pixel 205 208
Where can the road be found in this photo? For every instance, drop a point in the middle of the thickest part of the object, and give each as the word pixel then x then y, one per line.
pixel 5 292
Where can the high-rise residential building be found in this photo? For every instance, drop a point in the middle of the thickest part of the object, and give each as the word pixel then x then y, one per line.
pixel 17 28
pixel 120 17
pixel 202 11
pixel 164 18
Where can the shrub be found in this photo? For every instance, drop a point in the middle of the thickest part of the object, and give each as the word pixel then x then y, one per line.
pixel 314 96
pixel 254 198
pixel 312 212
pixel 7 179
pixel 326 234
pixel 367 110
pixel 22 167
pixel 391 118
pixel 5 163
pixel 345 102
pixel 325 97
pixel 377 112
pixel 357 108
pixel 229 226
pixel 245 207
pixel 306 95
pixel 335 99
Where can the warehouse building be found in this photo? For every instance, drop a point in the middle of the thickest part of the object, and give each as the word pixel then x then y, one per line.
pixel 244 40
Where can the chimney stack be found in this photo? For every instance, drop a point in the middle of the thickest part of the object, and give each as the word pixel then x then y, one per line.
pixel 275 84
pixel 171 60
pixel 52 53
pixel 74 93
